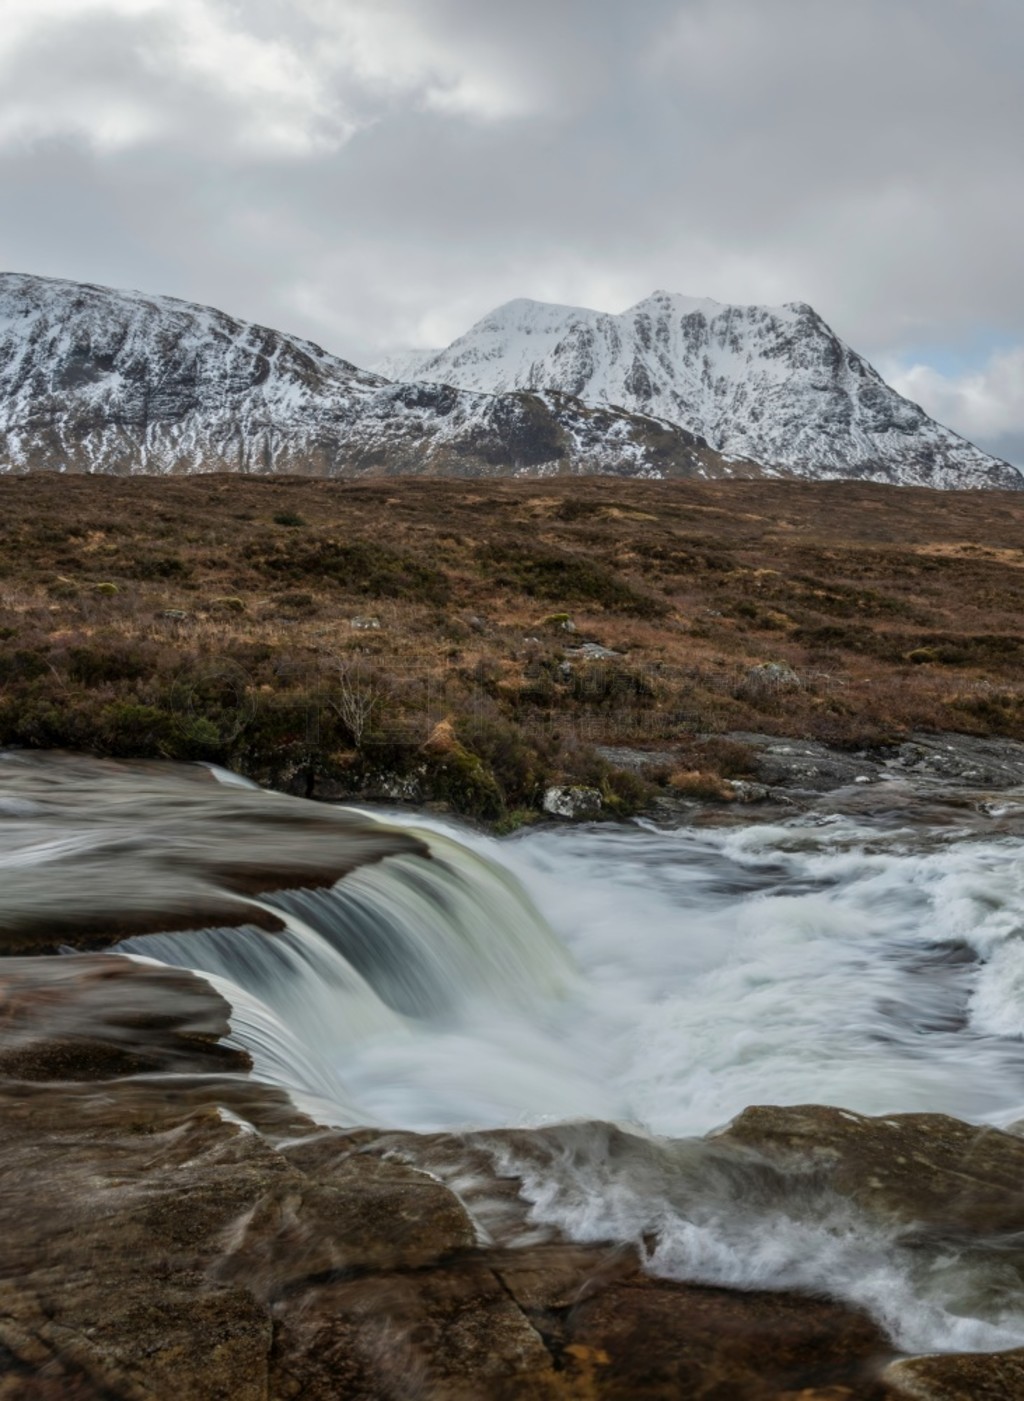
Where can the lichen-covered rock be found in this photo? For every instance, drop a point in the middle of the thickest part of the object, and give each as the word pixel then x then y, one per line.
pixel 578 804
pixel 772 677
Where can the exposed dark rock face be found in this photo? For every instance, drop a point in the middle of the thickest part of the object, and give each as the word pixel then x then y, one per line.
pixel 93 380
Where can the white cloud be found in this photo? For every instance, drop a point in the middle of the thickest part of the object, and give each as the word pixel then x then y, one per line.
pixel 405 48
pixel 373 171
pixel 274 77
pixel 985 404
pixel 124 73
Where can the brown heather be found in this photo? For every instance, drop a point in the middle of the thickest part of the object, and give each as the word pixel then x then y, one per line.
pixel 314 633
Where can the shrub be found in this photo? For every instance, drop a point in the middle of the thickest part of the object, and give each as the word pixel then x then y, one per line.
pixel 23 664
pixel 463 780
pixel 707 787
pixel 297 602
pixel 288 518
pixel 97 666
pixel 157 567
pixel 519 762
pixel 729 758
pixel 361 567
pixel 562 577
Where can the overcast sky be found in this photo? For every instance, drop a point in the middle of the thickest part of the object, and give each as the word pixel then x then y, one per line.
pixel 375 173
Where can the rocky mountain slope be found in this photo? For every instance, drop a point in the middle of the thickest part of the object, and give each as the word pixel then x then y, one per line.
pixel 770 384
pixel 93 380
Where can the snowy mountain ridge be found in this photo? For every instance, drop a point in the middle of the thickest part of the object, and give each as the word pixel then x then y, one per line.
pixel 96 380
pixel 773 385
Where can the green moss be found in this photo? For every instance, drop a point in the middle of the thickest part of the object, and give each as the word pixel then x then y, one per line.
pixel 464 780
pixel 514 820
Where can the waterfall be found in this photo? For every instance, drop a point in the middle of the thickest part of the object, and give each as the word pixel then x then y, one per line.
pixel 402 944
pixel 405 976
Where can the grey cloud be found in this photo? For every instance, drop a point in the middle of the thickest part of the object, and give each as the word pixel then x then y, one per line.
pixel 450 154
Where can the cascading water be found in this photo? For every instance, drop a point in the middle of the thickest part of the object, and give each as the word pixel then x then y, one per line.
pixel 661 980
pixel 397 955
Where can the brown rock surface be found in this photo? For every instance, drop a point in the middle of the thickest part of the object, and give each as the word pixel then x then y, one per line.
pixel 168 848
pixel 924 1168
pixel 99 1017
pixel 192 1236
pixel 185 1236
pixel 988 1377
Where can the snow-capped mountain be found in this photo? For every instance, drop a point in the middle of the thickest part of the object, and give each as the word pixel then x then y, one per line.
pixel 93 380
pixel 771 384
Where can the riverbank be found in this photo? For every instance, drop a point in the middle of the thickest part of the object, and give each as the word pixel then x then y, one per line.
pixel 475 645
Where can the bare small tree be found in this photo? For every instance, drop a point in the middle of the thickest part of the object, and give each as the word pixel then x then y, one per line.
pixel 358 696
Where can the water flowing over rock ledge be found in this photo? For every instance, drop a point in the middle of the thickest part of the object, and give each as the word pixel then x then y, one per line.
pixel 193 1235
pixel 174 1226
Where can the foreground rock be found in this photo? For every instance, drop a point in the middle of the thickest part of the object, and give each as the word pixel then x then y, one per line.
pixel 928 1169
pixel 189 852
pixel 194 1236
pixel 998 1377
pixel 161 1247
pixel 191 1235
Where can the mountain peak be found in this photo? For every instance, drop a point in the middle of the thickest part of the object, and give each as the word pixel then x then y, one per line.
pixel 770 384
pixel 97 380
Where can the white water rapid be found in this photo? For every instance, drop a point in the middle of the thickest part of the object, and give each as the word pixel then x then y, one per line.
pixel 694 972
pixel 830 961
pixel 615 994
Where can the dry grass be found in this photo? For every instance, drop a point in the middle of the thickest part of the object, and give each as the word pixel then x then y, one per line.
pixel 213 616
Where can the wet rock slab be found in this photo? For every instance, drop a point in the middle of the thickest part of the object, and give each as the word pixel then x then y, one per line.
pixel 167 1242
pixel 186 1233
pixel 949 760
pixel 191 1235
pixel 995 1377
pixel 929 1169
pixel 188 852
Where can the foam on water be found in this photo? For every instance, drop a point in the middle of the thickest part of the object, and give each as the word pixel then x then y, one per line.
pixel 834 962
